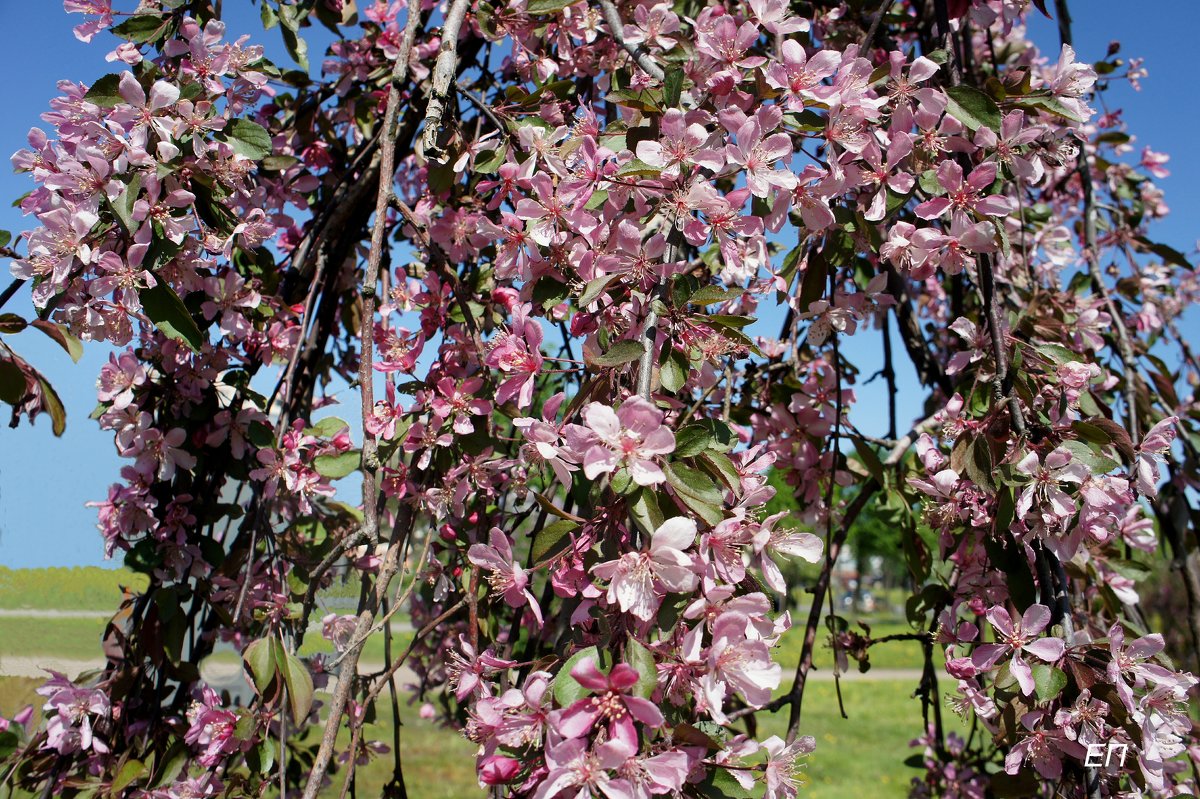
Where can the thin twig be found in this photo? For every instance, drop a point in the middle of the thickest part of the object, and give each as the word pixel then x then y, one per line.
pixel 616 29
pixel 795 696
pixel 869 36
pixel 442 85
pixel 370 528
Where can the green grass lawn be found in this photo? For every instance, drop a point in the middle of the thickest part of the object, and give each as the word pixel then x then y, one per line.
pixel 862 756
pixel 79 588
pixel 77 639
pixel 888 655
pixel 16 693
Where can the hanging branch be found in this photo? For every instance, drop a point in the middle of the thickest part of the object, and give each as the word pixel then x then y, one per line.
pixel 1092 254
pixel 370 458
pixel 442 87
pixel 616 28
pixel 795 696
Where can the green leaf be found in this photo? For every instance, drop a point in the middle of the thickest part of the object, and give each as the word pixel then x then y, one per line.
pixel 720 784
pixel 622 352
pixel 269 18
pixel 594 289
pixel 1168 254
pixel 790 262
pixel 973 108
pixel 724 439
pixel 1130 568
pixel 674 371
pixel 142 28
pixel 691 440
pixel 1052 105
pixel 645 511
pixel 1057 354
pixel 812 283
pixel 299 686
pixel 11 323
pixel 547 6
pixel 63 337
pixel 928 181
pixel 489 161
pixel 719 464
pixel 248 138
pixel 698 491
pixel 338 466
pixel 130 771
pixel 1048 681
pixel 123 204
pixel 54 406
pixel 807 120
pixel 296 46
pixel 567 690
pixel 709 295
pixel 261 757
pixel 552 539
pixel 728 321
pixel 171 764
pixel 12 382
pixel 693 482
pixel 325 428
pixel 168 313
pixel 641 660
pixel 638 169
pixel 622 481
pixel 278 163
pixel 9 743
pixel 548 292
pixel 105 92
pixel 259 659
pixel 673 88
pixel 869 459
pixel 1094 461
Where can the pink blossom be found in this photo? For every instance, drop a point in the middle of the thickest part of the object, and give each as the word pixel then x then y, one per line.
pixel 504 574
pixel 1053 505
pixel 965 196
pixel 610 703
pixel 631 437
pixel 783 775
pixel 1017 637
pixel 1153 163
pixel 755 152
pixel 1152 452
pixel 638 579
pixel 1044 748
pixel 517 354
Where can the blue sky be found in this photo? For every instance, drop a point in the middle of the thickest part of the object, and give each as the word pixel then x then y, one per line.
pixel 46 481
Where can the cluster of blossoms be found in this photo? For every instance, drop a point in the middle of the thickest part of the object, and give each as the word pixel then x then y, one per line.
pixel 588 473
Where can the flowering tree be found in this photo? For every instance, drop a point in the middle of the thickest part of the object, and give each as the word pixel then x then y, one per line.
pixel 548 243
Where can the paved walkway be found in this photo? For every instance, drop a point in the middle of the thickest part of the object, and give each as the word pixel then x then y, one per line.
pixel 36 613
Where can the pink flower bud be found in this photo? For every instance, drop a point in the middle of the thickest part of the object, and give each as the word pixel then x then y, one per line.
pixel 497 769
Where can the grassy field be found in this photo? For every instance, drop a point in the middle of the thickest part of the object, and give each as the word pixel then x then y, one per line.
pixel 79 588
pixel 856 757
pixel 73 638
pixel 862 756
